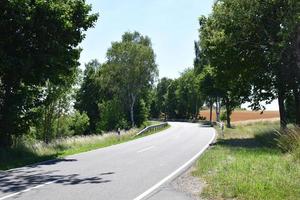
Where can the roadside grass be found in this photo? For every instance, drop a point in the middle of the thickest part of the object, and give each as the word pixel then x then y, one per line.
pixel 29 153
pixel 247 164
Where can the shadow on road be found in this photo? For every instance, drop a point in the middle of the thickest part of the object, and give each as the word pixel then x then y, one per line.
pixel 20 179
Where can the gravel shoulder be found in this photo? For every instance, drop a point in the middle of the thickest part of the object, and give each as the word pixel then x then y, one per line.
pixel 184 187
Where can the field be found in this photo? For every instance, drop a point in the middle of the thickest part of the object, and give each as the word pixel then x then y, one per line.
pixel 238 116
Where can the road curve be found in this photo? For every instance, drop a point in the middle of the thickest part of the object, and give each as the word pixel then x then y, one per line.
pixel 127 171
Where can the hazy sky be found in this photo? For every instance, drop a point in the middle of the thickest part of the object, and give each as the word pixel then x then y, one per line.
pixel 172 26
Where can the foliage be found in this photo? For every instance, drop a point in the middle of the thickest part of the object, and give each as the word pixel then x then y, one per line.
pixel 130 69
pixel 252 46
pixel 112 116
pixel 179 98
pixel 38 43
pixel 90 94
pixel 119 91
pixel 80 123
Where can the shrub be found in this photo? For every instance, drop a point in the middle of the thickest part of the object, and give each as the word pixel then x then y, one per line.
pixel 223 116
pixel 142 112
pixel 111 116
pixel 79 123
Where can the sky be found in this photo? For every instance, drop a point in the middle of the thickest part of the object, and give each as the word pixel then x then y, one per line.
pixel 172 26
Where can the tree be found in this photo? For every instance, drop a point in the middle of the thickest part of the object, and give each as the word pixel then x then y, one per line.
pixel 172 100
pixel 221 77
pixel 79 123
pixel 189 96
pixel 130 69
pixel 254 42
pixel 161 95
pixel 266 45
pixel 55 104
pixel 90 94
pixel 38 43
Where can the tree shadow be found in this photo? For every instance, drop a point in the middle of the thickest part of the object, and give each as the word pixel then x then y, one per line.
pixel 240 143
pixel 264 140
pixel 19 180
pixel 21 156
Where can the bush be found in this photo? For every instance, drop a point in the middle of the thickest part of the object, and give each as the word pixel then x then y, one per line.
pixel 223 116
pixel 79 123
pixel 142 113
pixel 111 116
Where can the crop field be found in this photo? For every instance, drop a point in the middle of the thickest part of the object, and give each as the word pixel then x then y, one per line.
pixel 238 116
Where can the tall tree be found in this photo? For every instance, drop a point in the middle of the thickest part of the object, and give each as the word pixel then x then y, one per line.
pixel 131 68
pixel 90 94
pixel 161 95
pixel 38 42
pixel 251 40
pixel 189 96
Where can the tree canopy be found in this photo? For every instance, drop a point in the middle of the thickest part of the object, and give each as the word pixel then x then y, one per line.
pixel 38 43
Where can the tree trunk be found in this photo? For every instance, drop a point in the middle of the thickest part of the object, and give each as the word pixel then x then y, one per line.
pixel 228 113
pixel 210 112
pixel 297 105
pixel 132 110
pixel 196 112
pixel 282 112
pixel 297 88
pixel 6 139
pixel 298 55
pixel 218 108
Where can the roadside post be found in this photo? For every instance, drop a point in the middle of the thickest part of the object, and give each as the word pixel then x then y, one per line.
pixel 222 129
pixel 119 133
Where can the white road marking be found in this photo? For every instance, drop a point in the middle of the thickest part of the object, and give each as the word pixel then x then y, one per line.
pixel 173 174
pixel 27 190
pixel 143 150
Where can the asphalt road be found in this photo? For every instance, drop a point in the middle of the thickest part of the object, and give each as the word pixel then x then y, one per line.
pixel 132 170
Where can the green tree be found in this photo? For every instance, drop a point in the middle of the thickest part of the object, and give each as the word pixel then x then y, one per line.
pixel 161 95
pixel 38 43
pixel 130 69
pixel 189 96
pixel 257 43
pixel 90 94
pixel 79 123
pixel 172 100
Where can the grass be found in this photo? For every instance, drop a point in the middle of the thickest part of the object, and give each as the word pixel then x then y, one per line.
pixel 25 154
pixel 246 164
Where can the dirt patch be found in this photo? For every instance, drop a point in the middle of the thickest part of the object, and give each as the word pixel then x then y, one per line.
pixel 238 116
pixel 188 184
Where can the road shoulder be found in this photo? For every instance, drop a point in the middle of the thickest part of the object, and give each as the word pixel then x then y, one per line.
pixel 184 187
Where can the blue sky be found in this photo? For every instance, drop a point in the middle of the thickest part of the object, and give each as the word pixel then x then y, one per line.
pixel 172 26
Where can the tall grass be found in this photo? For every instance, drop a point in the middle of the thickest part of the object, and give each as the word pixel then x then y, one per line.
pixel 288 139
pixel 27 151
pixel 250 162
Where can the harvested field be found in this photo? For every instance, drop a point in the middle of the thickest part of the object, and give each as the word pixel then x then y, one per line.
pixel 238 116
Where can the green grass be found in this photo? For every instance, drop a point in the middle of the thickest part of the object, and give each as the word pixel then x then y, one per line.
pixel 26 154
pixel 246 164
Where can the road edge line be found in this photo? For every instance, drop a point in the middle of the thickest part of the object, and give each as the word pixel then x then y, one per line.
pixel 27 190
pixel 177 171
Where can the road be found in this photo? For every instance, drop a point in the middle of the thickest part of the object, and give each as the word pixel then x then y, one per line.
pixel 132 170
